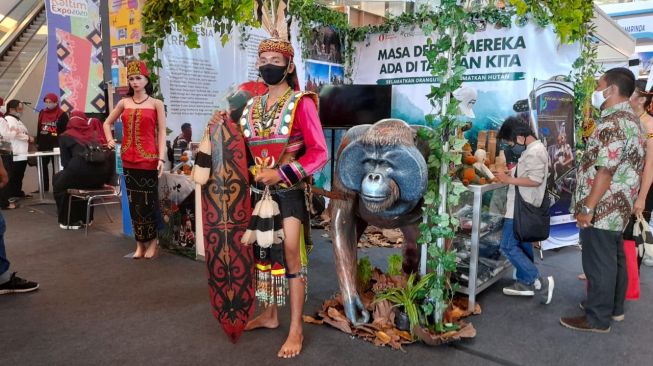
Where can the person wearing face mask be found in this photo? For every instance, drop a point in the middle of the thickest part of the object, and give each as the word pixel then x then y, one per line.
pixel 284 136
pixel 52 121
pixel 15 131
pixel 142 152
pixel 642 103
pixel 608 181
pixel 530 175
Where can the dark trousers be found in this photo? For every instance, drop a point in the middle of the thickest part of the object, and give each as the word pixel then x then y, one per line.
pixel 5 192
pixel 16 175
pixel 4 262
pixel 71 178
pixel 604 264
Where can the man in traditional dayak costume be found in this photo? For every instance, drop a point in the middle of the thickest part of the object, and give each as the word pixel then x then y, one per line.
pixel 285 146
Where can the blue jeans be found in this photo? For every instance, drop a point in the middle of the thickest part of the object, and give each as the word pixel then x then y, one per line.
pixel 520 254
pixel 4 263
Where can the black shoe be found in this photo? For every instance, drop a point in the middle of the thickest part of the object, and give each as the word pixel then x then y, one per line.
pixel 17 285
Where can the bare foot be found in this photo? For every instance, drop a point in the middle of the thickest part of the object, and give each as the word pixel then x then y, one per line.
pixel 140 251
pixel 152 249
pixel 293 345
pixel 265 320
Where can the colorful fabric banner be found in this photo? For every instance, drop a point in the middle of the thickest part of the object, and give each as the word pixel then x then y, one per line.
pixel 74 63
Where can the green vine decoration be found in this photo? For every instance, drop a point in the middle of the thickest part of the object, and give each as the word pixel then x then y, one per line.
pixel 160 15
pixel 446 34
pixel 569 17
pixel 583 77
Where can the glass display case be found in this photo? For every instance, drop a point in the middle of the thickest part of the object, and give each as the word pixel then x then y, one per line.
pixel 480 263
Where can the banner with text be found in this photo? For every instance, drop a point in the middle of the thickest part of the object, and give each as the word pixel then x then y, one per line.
pixel 74 63
pixel 502 66
pixel 195 82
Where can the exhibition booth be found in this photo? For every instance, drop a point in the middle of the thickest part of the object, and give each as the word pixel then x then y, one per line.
pixel 493 64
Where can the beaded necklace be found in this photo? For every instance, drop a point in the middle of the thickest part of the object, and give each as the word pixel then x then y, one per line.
pixel 142 101
pixel 266 118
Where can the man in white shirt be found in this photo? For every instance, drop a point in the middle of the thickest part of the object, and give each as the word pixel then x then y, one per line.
pixel 13 130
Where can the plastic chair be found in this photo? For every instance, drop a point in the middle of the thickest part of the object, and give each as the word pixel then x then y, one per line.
pixel 108 195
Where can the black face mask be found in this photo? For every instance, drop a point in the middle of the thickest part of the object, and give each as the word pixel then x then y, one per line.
pixel 273 74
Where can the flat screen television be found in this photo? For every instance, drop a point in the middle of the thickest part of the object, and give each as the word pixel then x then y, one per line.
pixel 344 106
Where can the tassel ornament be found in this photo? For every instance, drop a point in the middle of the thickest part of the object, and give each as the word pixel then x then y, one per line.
pixel 265 227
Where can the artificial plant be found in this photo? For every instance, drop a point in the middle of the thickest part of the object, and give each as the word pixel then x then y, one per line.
pixel 159 16
pixel 409 296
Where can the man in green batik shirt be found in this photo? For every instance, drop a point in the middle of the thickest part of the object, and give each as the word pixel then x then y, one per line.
pixel 608 183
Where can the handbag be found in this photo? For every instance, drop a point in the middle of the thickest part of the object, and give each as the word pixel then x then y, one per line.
pixel 531 223
pixel 95 153
pixel 641 234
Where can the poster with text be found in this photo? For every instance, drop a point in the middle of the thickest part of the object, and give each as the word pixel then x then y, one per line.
pixel 73 68
pixel 126 31
pixel 195 82
pixel 502 67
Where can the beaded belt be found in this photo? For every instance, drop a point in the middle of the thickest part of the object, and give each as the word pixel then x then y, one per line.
pixel 277 191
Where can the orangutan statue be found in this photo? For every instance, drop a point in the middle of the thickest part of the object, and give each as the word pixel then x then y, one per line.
pixel 381 176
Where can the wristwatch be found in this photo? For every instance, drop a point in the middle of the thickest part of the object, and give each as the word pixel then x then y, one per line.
pixel 584 210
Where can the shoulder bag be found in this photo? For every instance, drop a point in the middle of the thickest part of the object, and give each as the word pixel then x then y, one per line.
pixel 531 223
pixel 95 153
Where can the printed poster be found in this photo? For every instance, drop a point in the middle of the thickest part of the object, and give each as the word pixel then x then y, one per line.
pixel 126 31
pixel 503 66
pixel 73 68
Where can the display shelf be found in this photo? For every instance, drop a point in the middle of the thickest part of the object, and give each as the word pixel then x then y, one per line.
pixel 482 285
pixel 474 286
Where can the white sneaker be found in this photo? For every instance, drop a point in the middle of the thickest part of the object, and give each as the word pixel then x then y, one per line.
pixel 547 284
pixel 518 289
pixel 71 227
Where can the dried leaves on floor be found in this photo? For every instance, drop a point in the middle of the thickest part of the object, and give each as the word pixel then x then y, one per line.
pixel 381 331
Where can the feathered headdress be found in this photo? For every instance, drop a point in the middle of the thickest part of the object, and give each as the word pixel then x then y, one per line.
pixel 272 14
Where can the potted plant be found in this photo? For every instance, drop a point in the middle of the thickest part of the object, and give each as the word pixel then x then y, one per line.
pixel 410 297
